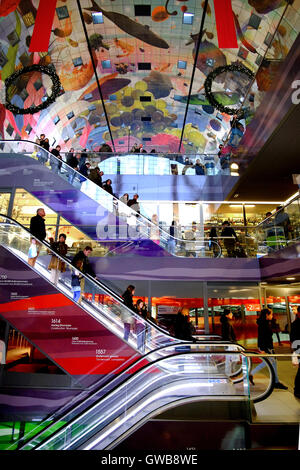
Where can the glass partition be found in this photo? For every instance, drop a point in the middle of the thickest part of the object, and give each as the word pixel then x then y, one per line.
pixel 124 222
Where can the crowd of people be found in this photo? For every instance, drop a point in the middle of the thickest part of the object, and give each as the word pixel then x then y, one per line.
pixel 77 159
pixel 182 328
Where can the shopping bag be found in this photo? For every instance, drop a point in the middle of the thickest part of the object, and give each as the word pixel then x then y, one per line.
pixel 32 253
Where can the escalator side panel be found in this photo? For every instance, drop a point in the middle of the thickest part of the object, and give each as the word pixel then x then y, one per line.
pixel 61 329
pixel 82 211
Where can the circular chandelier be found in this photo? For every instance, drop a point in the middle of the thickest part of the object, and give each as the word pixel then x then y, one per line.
pixel 213 75
pixel 55 90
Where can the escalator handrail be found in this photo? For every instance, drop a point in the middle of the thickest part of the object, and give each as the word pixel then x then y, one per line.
pixel 124 372
pixel 97 282
pixel 116 200
pixel 131 377
pixel 148 220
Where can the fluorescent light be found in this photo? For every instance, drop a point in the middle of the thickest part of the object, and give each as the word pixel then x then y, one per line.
pixel 291 198
pixel 291 279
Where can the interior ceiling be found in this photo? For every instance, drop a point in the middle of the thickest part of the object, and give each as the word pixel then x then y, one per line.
pixel 109 107
pixel 269 177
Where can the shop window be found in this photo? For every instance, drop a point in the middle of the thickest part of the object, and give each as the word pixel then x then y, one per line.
pixel 10 130
pixel 70 115
pixel 145 98
pixel 13 38
pixel 97 17
pixel 181 64
pixel 188 18
pixel 106 64
pixel 77 62
pixel 142 10
pixel 62 12
pixel 254 21
pixel 144 65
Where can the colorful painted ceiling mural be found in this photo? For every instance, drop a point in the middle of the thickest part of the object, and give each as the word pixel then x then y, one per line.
pixel 135 71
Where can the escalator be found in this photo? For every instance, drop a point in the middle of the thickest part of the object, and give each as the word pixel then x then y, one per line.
pixel 188 377
pixel 98 214
pixel 98 358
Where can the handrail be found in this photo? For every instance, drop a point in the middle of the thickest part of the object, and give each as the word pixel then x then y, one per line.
pixel 124 373
pixel 147 366
pixel 146 221
pixel 96 283
pixel 112 153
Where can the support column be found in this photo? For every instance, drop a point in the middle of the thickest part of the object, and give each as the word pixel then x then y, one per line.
pixel 149 298
pixel 205 307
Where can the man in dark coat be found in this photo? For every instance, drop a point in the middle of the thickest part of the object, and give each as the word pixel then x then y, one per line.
pixel 37 224
pixel 134 203
pixel 38 230
pixel 96 176
pixel 295 343
pixel 230 238
pixel 83 256
pixel 55 163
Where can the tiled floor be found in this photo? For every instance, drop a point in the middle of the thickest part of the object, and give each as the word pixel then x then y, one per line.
pixel 281 406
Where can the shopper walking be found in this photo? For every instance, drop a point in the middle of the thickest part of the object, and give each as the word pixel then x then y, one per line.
pixel 76 280
pixel 228 334
pixel 227 331
pixel 265 343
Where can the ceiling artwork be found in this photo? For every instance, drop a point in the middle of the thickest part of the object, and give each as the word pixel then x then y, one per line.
pixel 138 71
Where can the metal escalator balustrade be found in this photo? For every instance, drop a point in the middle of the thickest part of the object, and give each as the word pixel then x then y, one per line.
pixel 188 377
pixel 17 240
pixel 111 212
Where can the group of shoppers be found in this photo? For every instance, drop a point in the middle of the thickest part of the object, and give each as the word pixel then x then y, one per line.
pixel 57 265
pixel 266 327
